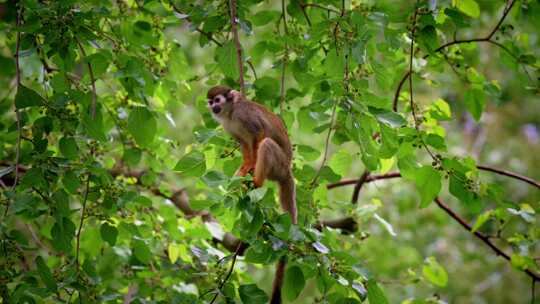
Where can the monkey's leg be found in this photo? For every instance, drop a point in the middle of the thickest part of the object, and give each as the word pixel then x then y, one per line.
pixel 249 159
pixel 271 162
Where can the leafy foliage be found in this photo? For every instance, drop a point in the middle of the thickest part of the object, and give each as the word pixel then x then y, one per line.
pixel 118 185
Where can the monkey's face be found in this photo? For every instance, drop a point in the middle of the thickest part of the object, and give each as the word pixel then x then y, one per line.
pixel 220 103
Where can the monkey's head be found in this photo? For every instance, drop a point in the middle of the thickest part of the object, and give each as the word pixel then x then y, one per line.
pixel 221 99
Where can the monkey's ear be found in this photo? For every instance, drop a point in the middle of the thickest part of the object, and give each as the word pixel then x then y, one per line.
pixel 233 95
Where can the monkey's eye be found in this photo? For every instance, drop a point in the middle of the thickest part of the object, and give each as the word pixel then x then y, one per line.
pixel 210 101
pixel 216 99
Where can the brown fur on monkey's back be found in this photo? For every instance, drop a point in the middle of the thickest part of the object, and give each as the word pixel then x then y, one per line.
pixel 279 135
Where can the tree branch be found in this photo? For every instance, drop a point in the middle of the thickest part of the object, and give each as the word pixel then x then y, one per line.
pixel 92 80
pixel 480 236
pixel 358 187
pixel 284 60
pixel 238 46
pixel 528 180
pixel 17 113
pixel 484 238
pixel 235 255
pixel 199 30
pixel 81 222
pixel 505 13
pixel 329 9
pixel 369 179
pixel 327 143
pixel 454 42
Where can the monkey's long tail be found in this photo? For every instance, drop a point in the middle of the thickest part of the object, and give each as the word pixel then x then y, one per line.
pixel 287 196
pixel 278 282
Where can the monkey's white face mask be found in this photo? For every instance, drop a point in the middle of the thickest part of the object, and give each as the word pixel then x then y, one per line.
pixel 222 104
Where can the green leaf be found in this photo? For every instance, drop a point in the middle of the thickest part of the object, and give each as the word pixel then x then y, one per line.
pixel 434 272
pixel 27 98
pixel 267 88
pixel 475 101
pixel 68 147
pixel 440 110
pixel 45 274
pixel 341 162
pixel 108 233
pixel 428 38
pixel 428 183
pixel 251 294
pixel 71 182
pixel 62 233
pixel 390 118
pixel 308 153
pixel 191 164
pixel 94 127
pixel 375 293
pixel 293 283
pixel 227 60
pixel 259 252
pixel 263 17
pixel 142 125
pixel 469 7
pixel 141 251
pixel 174 252
pixel 481 220
pixel 334 64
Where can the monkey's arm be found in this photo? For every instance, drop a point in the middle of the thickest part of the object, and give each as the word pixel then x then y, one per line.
pixel 249 157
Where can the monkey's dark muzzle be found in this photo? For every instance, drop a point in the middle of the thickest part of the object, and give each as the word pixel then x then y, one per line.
pixel 216 109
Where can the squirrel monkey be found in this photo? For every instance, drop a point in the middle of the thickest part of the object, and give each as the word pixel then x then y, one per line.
pixel 266 150
pixel 265 145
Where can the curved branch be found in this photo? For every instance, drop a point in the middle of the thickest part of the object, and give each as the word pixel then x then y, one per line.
pixel 505 13
pixel 484 238
pixel 459 41
pixel 535 276
pixel 522 178
pixel 358 187
pixel 199 30
pixel 238 46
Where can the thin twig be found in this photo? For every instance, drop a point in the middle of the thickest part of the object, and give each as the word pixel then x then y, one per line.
pixel 17 113
pixel 358 186
pixel 342 13
pixel 369 179
pixel 327 143
pixel 505 13
pixel 235 255
pixel 238 46
pixel 92 80
pixel 455 42
pixel 329 9
pixel 303 8
pixel 411 95
pixel 212 39
pixel 284 59
pixel 250 64
pixel 81 222
pixel 199 30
